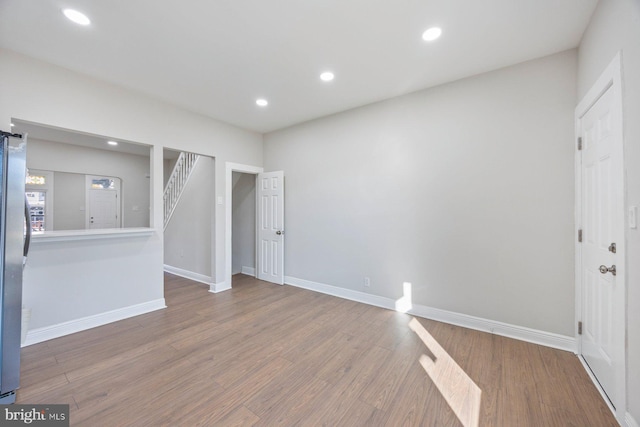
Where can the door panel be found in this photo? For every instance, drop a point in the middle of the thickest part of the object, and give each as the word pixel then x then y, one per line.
pixel 271 227
pixel 103 209
pixel 601 212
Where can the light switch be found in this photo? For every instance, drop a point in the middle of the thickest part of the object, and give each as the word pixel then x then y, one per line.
pixel 633 217
pixel 220 200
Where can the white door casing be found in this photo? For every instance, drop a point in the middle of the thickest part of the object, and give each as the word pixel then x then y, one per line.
pixel 229 169
pixel 270 194
pixel 600 296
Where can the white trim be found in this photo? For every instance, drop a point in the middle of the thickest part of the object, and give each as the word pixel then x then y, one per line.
pixel 93 234
pixel 197 277
pixel 336 291
pixel 249 271
pixel 521 333
pixel 229 169
pixel 630 421
pixel 214 288
pixel 610 78
pixel 35 336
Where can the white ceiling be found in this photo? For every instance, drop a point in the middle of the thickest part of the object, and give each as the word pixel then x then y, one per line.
pixel 216 57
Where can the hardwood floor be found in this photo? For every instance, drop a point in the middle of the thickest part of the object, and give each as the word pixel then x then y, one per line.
pixel 263 354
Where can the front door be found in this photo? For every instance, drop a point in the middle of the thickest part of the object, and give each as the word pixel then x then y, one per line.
pixel 602 222
pixel 103 207
pixel 271 227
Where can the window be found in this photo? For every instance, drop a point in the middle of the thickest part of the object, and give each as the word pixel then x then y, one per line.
pixel 103 184
pixel 39 192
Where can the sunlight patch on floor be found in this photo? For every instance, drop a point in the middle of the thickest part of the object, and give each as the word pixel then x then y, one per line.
pixel 460 392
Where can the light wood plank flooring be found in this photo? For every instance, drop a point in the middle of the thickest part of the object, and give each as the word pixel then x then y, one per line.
pixel 263 354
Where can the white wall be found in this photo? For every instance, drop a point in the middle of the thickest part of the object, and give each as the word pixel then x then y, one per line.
pixel 69 281
pixel 615 26
pixel 243 221
pixel 187 238
pixel 130 168
pixel 464 190
pixel 38 92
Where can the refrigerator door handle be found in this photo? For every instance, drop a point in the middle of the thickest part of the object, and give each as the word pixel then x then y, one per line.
pixel 27 237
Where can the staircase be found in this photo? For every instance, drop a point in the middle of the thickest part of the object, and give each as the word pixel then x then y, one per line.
pixel 177 181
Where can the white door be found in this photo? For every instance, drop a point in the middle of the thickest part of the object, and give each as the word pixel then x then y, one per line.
pixel 602 223
pixel 271 227
pixel 103 209
pixel 103 202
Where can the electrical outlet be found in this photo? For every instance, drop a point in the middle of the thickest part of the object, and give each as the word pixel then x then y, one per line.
pixel 367 282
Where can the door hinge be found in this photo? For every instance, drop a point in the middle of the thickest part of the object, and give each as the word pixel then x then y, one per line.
pixel 580 235
pixel 579 328
pixel 579 143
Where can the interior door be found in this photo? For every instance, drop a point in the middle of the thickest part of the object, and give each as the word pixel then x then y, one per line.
pixel 602 218
pixel 270 193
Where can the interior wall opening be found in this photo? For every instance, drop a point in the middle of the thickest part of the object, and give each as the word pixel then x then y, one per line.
pixel 189 187
pixel 243 220
pixel 64 170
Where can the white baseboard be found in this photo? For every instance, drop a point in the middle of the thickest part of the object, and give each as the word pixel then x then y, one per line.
pixel 219 287
pixel 630 421
pixel 35 336
pixel 341 292
pixel 249 271
pixel 197 277
pixel 548 339
pixel 521 333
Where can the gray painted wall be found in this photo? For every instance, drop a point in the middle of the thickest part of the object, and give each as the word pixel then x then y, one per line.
pixel 465 190
pixel 187 238
pixel 69 207
pixel 243 221
pixel 615 26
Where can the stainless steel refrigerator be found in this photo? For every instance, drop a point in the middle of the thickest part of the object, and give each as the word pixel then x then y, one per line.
pixel 14 241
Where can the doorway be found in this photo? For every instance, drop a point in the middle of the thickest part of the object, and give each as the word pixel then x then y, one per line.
pixel 230 169
pixel 189 209
pixel 103 202
pixel 243 223
pixel 269 255
pixel 600 251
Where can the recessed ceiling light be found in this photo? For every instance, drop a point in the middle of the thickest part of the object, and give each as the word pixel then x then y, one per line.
pixel 327 76
pixel 77 17
pixel 112 143
pixel 431 34
pixel 262 102
pixel 12 124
